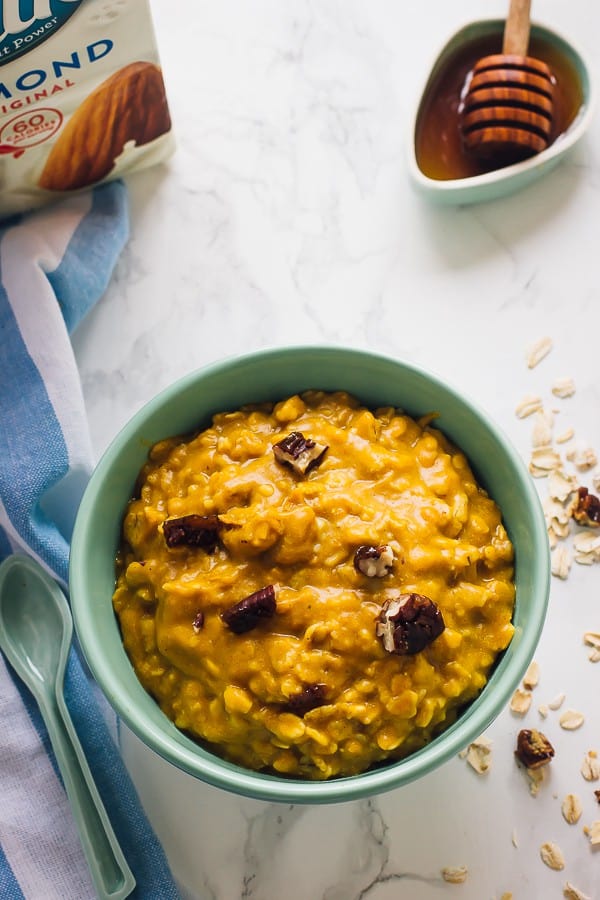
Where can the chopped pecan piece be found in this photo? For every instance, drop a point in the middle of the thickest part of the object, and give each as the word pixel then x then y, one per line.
pixel 300 453
pixel 374 562
pixel 198 623
pixel 251 611
pixel 597 795
pixel 533 748
pixel 312 696
pixel 193 531
pixel 409 623
pixel 587 510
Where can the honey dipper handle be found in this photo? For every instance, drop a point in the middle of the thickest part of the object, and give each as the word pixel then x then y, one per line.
pixel 516 29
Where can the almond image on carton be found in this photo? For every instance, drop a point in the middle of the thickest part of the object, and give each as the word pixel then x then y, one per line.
pixel 129 106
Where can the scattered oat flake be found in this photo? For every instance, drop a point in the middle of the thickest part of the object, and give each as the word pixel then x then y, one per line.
pixel 592 639
pixel 594 833
pixel 590 767
pixel 583 458
pixel 552 855
pixel 570 892
pixel 544 459
pixel 520 702
pixel 586 546
pixel 537 351
pixel 557 701
pixel 537 472
pixel 558 531
pixel 543 710
pixel 479 755
pixel 585 559
pixel 571 809
pixel 507 895
pixel 554 513
pixel 561 562
pixel 536 778
pixel 455 874
pixel 541 435
pixel 514 839
pixel 563 387
pixel 532 676
pixel 571 720
pixel 558 516
pixel 561 485
pixel 565 436
pixel 530 404
pixel 587 542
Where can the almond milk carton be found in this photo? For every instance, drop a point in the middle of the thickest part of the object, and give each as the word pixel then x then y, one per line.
pixel 82 98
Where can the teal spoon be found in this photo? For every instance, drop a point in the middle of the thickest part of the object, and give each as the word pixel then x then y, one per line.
pixel 35 636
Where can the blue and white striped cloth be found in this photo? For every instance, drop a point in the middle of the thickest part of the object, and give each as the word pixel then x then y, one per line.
pixel 54 265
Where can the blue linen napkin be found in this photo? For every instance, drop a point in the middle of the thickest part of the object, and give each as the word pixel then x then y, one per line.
pixel 55 264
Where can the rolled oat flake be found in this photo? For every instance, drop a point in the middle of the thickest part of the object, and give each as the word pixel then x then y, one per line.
pixel 552 856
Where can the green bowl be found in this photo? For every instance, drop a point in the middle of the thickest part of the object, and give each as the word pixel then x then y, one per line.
pixel 271 375
pixel 500 182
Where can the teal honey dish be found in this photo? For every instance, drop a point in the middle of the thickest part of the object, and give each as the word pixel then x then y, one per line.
pixel 500 182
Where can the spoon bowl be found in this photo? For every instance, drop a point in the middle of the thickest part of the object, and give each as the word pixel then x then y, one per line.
pixel 35 636
pixel 36 629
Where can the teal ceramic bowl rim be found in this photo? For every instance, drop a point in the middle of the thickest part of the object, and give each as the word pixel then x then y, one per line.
pixel 96 625
pixel 490 185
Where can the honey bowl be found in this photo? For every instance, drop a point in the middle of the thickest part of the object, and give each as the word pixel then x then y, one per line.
pixel 270 375
pixel 439 166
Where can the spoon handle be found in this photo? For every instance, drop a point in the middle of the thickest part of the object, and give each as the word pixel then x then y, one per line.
pixel 112 877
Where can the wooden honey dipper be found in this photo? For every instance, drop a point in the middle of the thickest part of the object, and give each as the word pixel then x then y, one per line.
pixel 507 104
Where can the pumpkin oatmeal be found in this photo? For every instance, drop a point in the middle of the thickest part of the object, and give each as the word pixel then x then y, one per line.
pixel 312 588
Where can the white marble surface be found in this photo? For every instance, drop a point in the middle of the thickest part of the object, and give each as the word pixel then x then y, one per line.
pixel 286 216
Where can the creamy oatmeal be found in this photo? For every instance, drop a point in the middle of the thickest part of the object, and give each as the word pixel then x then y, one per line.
pixel 312 588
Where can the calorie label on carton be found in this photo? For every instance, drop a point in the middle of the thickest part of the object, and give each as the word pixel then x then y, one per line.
pixel 82 98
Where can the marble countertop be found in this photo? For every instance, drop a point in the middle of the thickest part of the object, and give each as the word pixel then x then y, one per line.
pixel 286 216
